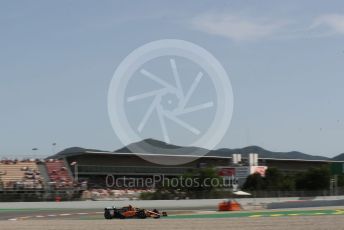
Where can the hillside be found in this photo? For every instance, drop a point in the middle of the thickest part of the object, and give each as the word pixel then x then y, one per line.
pixel 340 157
pixel 155 147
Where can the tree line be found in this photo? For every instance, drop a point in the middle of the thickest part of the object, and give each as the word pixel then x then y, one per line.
pixel 275 180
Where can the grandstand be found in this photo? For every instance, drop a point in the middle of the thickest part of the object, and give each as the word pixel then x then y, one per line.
pixel 93 167
pixel 58 173
pixel 20 175
pixel 33 180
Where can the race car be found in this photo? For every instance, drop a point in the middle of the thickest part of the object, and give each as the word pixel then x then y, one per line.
pixel 131 212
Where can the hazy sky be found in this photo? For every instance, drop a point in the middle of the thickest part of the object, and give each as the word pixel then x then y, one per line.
pixel 285 60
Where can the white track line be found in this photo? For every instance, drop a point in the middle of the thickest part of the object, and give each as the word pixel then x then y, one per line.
pixel 53 215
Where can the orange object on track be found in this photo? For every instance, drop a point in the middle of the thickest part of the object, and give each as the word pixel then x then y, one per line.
pixel 230 205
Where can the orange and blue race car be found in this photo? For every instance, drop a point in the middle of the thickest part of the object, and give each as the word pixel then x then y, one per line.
pixel 131 212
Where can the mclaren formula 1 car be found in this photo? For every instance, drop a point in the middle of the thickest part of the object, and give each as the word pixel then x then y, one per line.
pixel 131 212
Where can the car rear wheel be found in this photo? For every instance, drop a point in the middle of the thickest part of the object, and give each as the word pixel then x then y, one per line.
pixel 107 215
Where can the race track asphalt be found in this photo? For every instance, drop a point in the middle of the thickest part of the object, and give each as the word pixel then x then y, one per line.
pixel 325 218
pixel 326 222
pixel 97 214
